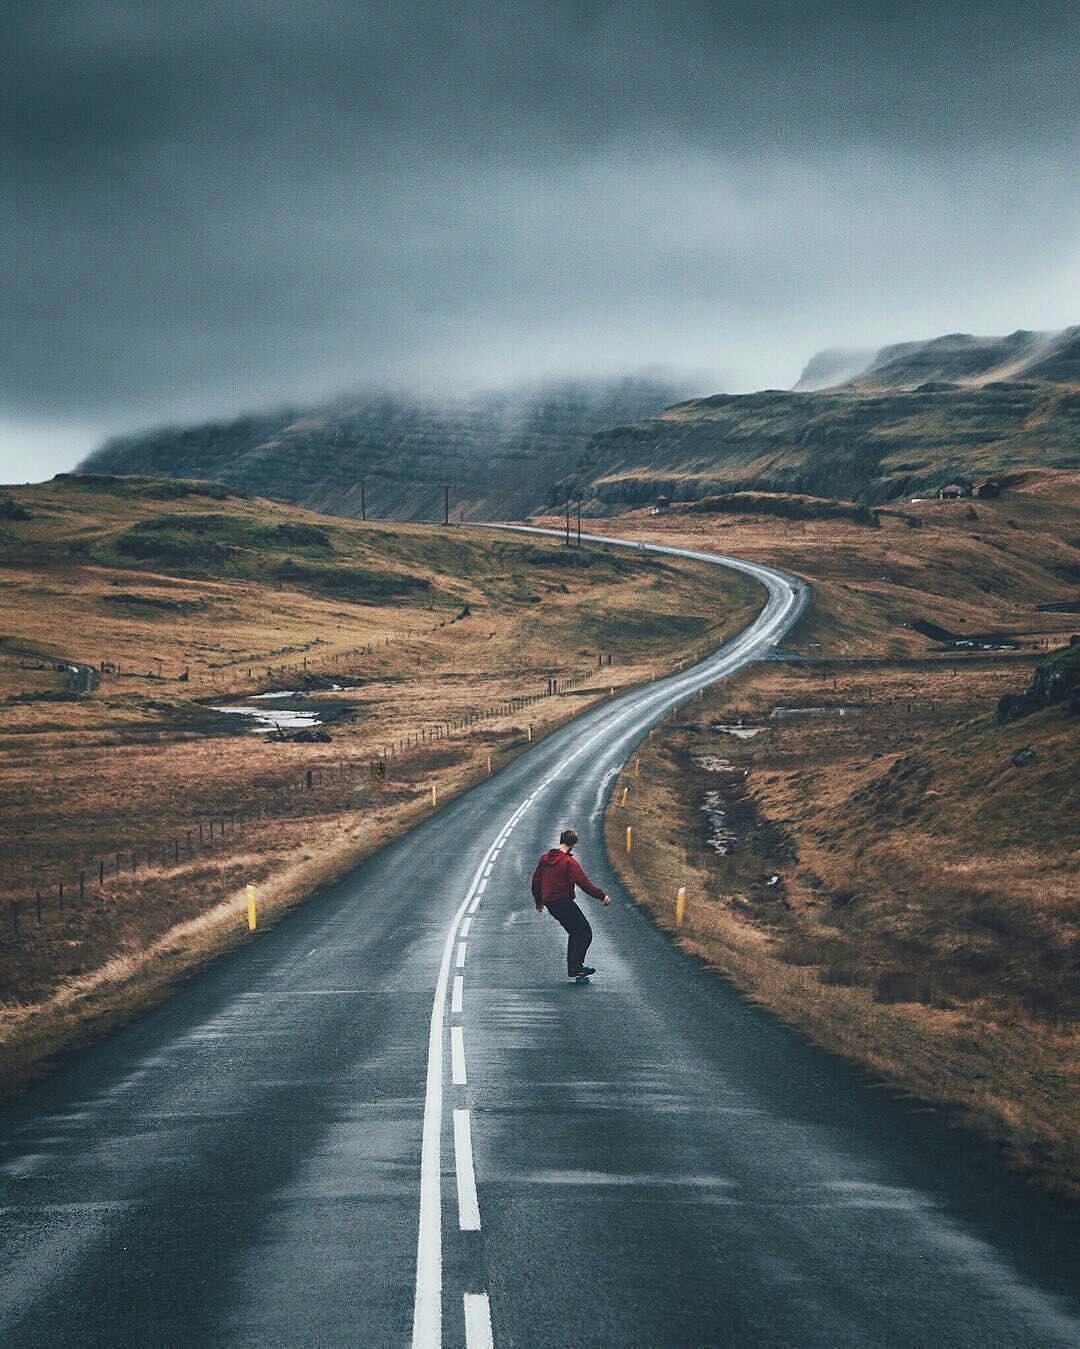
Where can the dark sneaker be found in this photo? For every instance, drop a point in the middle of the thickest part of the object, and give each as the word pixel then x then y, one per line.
pixel 585 969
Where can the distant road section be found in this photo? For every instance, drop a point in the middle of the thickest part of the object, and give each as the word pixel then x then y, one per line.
pixel 391 1120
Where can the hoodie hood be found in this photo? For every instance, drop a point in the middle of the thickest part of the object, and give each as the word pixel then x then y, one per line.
pixel 555 876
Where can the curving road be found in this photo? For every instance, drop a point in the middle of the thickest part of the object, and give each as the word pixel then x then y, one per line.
pixel 390 1119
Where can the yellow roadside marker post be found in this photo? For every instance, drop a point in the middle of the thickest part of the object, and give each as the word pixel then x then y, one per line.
pixel 530 732
pixel 251 907
pixel 625 794
pixel 489 765
pixel 680 906
pixel 629 837
pixel 434 795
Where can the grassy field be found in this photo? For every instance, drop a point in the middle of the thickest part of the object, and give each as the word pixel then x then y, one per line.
pixel 860 850
pixel 426 653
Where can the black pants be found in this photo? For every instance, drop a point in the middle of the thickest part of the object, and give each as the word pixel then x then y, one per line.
pixel 567 913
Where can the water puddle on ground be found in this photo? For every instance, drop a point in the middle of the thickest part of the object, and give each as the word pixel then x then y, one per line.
pixel 269 718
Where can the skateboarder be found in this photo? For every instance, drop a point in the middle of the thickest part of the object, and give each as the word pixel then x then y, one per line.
pixel 553 883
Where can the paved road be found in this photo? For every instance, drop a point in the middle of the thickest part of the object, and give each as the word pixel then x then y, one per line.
pixel 390 1120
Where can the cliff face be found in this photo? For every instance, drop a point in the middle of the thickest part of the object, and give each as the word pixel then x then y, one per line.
pixel 499 453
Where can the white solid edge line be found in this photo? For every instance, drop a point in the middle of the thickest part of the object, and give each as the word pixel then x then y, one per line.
pixel 467 1203
pixel 457 1056
pixel 478 1321
pixel 455 998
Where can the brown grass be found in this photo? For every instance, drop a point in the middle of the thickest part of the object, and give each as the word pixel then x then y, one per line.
pixel 925 919
pixel 144 767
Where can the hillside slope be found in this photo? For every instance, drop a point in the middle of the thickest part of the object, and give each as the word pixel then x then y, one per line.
pixel 498 453
pixel 847 442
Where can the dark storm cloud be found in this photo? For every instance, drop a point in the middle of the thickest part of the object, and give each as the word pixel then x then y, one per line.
pixel 216 204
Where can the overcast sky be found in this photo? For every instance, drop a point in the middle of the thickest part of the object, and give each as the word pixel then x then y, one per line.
pixel 218 205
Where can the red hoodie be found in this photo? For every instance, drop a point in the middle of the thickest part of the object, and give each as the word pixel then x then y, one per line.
pixel 555 876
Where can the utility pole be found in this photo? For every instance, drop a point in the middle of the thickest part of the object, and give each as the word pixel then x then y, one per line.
pixel 446 504
pixel 568 522
pixel 579 523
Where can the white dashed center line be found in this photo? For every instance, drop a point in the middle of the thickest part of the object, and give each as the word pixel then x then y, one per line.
pixel 455 998
pixel 468 1207
pixel 478 1321
pixel 457 1056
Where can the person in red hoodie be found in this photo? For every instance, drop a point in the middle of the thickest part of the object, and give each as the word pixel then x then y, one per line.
pixel 556 874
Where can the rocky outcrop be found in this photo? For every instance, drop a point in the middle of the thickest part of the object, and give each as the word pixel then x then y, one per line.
pixel 1056 680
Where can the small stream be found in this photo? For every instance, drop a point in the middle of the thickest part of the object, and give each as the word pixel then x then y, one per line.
pixel 723 838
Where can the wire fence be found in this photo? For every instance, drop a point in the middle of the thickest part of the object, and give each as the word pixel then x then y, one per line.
pixel 62 893
pixel 269 665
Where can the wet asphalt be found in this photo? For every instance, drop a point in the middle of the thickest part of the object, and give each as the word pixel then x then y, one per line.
pixel 657 1163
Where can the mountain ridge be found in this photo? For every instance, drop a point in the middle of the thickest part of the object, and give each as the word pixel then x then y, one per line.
pixel 964 359
pixel 904 420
